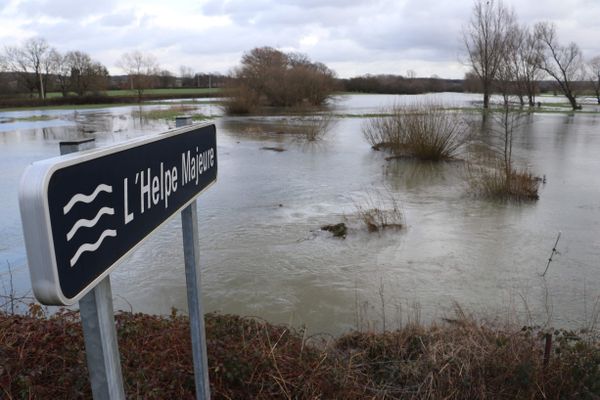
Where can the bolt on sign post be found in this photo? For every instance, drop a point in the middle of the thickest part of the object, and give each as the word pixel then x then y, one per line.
pixel 82 213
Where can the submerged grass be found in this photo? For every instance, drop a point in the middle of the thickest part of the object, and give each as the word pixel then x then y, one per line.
pixel 458 358
pixel 171 112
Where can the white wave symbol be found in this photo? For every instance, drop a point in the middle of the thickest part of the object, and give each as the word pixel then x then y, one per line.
pixel 88 223
pixel 91 247
pixel 83 198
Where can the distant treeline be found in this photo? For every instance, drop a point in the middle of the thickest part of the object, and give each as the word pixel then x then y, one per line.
pixel 396 84
pixel 14 84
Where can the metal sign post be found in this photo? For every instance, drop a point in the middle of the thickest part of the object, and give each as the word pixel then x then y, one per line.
pixel 191 253
pixel 98 322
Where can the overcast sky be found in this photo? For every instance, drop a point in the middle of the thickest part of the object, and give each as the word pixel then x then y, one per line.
pixel 353 37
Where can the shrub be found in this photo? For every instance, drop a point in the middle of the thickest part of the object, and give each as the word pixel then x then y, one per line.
pixel 269 77
pixel 380 211
pixel 496 182
pixel 427 132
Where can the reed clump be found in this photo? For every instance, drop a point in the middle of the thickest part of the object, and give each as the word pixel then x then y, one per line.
pixel 494 181
pixel 426 132
pixel 380 210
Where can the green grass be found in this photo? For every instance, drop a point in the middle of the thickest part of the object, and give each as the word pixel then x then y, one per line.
pixel 170 91
pixel 35 118
pixel 70 107
pixel 109 105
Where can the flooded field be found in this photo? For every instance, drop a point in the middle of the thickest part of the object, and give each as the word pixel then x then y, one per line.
pixel 263 253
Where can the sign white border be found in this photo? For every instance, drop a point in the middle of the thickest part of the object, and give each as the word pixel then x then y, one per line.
pixel 35 216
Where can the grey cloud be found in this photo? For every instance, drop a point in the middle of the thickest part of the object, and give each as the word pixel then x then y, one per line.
pixel 68 9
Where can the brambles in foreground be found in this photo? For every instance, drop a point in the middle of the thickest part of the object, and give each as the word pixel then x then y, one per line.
pixel 495 182
pixel 426 132
pixel 252 359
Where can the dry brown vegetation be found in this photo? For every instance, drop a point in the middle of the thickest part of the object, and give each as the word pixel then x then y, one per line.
pixel 423 131
pixel 495 182
pixel 251 359
pixel 498 177
pixel 380 210
pixel 269 77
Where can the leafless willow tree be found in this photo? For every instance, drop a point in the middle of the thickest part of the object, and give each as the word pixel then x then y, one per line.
pixel 563 63
pixel 142 70
pixel 485 39
pixel 593 70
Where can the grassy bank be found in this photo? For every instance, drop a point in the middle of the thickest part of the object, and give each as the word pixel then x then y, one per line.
pixel 114 97
pixel 182 92
pixel 248 358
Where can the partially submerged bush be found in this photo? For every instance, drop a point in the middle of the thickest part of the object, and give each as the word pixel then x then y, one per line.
pixel 269 77
pixel 495 181
pixel 240 100
pixel 380 210
pixel 427 132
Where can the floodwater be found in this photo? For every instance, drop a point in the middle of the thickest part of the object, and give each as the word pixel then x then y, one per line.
pixel 262 251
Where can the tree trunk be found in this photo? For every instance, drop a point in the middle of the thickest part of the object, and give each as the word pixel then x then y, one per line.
pixel 40 86
pixel 486 98
pixel 573 101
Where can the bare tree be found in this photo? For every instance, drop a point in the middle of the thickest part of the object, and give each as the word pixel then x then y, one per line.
pixel 485 39
pixel 187 76
pixel 31 62
pixel 593 70
pixel 142 70
pixel 79 62
pixel 62 73
pixel 166 79
pixel 86 74
pixel 563 63
pixel 528 59
pixel 508 117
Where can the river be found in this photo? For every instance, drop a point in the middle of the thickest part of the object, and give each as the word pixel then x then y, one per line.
pixel 264 255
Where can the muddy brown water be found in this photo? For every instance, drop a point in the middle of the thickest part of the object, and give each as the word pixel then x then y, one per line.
pixel 263 253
